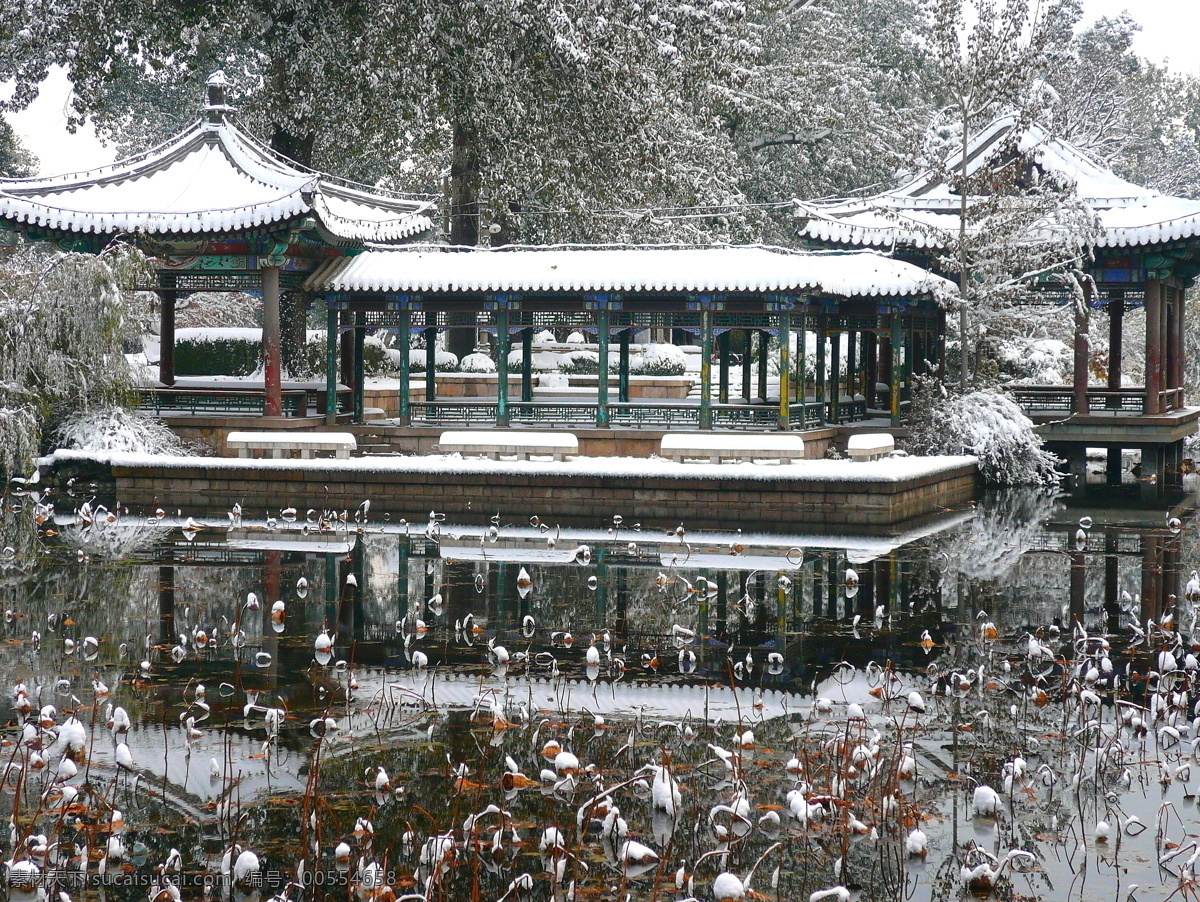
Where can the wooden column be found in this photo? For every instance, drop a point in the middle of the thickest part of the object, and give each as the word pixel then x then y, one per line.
pixel 405 402
pixel 346 347
pixel 871 352
pixel 851 364
pixel 331 364
pixel 802 367
pixel 785 369
pixel 1152 403
pixel 602 380
pixel 623 368
pixel 723 373
pixel 747 357
pixel 835 377
pixel 706 369
pixel 502 367
pixel 1116 335
pixel 1079 385
pixel 1112 466
pixel 360 334
pixel 430 357
pixel 167 296
pixel 819 375
pixel 897 374
pixel 527 365
pixel 1151 478
pixel 764 340
pixel 885 360
pixel 1180 345
pixel 272 384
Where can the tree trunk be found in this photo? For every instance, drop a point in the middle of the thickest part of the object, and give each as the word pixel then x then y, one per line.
pixel 964 275
pixel 464 216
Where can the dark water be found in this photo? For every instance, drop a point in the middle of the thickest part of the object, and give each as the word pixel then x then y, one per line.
pixel 645 656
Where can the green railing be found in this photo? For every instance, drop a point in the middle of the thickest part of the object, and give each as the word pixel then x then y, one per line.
pixel 552 412
pixel 455 413
pixel 1056 399
pixel 654 415
pixel 218 401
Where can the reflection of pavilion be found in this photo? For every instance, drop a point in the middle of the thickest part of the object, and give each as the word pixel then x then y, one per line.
pixel 1147 253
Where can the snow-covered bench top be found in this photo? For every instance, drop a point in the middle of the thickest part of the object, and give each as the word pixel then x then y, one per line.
pixel 494 442
pixel 246 443
pixel 870 445
pixel 680 446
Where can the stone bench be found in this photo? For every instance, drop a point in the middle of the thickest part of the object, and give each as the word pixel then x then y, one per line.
pixel 864 446
pixel 761 446
pixel 282 444
pixel 494 442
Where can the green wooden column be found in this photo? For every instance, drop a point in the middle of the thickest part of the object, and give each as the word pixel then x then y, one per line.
pixel 764 341
pixel 851 364
pixel 801 366
pixel 430 360
pixel 360 334
pixel 723 378
pixel 835 377
pixel 405 411
pixel 747 338
pixel 623 369
pixel 602 380
pixel 785 369
pixel 331 364
pixel 527 365
pixel 819 375
pixel 897 374
pixel 502 367
pixel 706 369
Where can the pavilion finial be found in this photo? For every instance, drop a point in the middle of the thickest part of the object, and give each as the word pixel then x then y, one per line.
pixel 216 108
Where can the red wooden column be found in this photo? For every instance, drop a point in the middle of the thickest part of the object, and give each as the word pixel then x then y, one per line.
pixel 1079 403
pixel 272 384
pixel 1174 348
pixel 1180 331
pixel 1154 357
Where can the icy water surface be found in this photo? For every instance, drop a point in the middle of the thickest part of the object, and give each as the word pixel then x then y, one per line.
pixel 333 706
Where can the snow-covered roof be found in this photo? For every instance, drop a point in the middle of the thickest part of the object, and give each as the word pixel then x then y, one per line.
pixel 624 269
pixel 915 213
pixel 213 178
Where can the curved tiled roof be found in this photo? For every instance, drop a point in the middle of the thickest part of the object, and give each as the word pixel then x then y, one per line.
pixel 213 178
pixel 624 269
pixel 914 214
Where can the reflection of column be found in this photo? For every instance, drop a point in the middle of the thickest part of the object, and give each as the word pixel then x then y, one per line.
pixel 331 589
pixel 1078 585
pixel 621 622
pixel 166 605
pixel 402 580
pixel 1149 577
pixel 601 593
pixel 272 586
pixel 722 604
pixel 1112 583
pixel 1171 571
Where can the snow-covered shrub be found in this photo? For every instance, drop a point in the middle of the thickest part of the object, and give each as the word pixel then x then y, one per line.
pixel 986 424
pixel 583 363
pixel 117 429
pixel 218 351
pixel 544 337
pixel 576 338
pixel 659 360
pixel 477 363
pixel 445 361
pixel 64 321
pixel 1037 361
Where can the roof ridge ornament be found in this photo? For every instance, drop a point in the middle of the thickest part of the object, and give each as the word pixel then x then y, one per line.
pixel 215 107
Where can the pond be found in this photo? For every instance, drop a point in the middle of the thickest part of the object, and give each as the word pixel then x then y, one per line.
pixel 330 705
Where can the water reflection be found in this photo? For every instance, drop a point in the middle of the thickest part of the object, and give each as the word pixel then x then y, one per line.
pixel 513 710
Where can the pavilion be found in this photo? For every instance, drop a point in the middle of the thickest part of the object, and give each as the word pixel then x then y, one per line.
pixel 887 311
pixel 1146 255
pixel 218 211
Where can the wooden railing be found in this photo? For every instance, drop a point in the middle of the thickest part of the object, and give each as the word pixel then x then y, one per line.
pixel 1060 399
pixel 218 401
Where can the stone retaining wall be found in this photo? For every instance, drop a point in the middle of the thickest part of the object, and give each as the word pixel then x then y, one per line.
pixel 861 504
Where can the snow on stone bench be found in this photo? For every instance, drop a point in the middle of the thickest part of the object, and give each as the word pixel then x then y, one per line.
pixel 494 442
pixel 870 445
pixel 279 443
pixel 679 446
